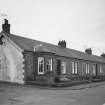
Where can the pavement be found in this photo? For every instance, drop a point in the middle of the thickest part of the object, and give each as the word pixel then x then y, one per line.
pixel 76 87
pixel 85 94
pixel 83 86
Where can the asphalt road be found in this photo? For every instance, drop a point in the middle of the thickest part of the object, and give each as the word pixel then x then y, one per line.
pixel 80 95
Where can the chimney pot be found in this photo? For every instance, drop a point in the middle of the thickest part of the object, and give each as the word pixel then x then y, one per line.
pixel 103 55
pixel 62 44
pixel 88 51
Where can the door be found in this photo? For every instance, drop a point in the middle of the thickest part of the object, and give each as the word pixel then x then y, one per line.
pixel 96 70
pixel 58 67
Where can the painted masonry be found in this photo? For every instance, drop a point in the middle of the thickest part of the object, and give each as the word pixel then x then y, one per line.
pixel 25 60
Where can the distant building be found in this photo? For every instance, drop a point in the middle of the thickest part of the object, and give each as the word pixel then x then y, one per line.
pixel 24 60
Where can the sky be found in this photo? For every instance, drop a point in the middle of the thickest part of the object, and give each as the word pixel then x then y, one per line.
pixel 80 22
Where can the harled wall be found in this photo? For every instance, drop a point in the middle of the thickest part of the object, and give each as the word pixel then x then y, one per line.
pixel 12 62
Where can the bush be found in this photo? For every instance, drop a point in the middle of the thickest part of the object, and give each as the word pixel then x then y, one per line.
pixel 57 79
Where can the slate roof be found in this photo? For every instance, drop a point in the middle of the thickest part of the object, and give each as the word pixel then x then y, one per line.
pixel 29 44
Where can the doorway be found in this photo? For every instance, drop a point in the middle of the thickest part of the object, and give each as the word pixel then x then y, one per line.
pixel 96 70
pixel 58 67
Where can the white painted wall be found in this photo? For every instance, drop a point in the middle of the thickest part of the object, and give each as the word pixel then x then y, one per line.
pixel 12 63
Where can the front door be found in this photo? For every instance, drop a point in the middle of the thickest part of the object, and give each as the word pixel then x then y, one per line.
pixel 58 67
pixel 96 70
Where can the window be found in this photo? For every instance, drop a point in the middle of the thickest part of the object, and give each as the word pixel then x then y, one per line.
pixel 101 71
pixel 49 65
pixel 82 69
pixel 94 69
pixel 87 68
pixel 40 65
pixel 63 67
pixel 74 67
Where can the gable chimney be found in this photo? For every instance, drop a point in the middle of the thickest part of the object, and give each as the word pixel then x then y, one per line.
pixel 88 51
pixel 62 44
pixel 6 26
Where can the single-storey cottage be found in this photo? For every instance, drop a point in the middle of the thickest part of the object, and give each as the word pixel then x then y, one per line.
pixel 23 60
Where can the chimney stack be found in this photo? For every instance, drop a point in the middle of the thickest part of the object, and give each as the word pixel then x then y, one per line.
pixel 6 27
pixel 88 51
pixel 62 44
pixel 103 55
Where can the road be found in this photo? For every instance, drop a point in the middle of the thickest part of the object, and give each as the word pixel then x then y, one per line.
pixel 28 95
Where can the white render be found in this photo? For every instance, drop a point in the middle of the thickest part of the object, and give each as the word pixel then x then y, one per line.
pixel 11 62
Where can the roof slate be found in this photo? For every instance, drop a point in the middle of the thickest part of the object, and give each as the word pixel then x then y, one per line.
pixel 29 44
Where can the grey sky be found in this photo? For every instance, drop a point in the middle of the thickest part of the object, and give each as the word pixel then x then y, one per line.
pixel 80 22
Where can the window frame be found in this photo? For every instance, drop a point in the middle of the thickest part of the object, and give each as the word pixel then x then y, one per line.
pixel 74 67
pixel 101 70
pixel 94 69
pixel 82 65
pixel 39 63
pixel 49 64
pixel 87 68
pixel 63 67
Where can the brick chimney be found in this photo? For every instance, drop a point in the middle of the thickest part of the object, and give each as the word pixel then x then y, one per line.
pixel 62 44
pixel 88 51
pixel 6 26
pixel 103 55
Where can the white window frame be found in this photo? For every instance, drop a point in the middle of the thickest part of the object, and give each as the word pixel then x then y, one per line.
pixel 87 68
pixel 101 70
pixel 49 63
pixel 39 63
pixel 82 72
pixel 94 69
pixel 74 67
pixel 63 67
